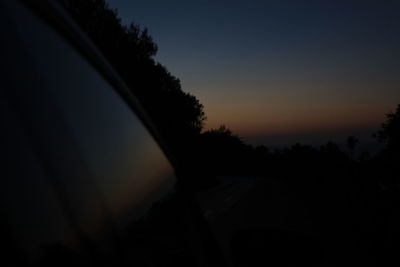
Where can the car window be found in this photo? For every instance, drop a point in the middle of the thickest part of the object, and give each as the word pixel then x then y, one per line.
pixel 127 163
pixel 112 173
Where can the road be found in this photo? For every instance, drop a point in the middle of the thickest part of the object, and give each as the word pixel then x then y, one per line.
pixel 251 203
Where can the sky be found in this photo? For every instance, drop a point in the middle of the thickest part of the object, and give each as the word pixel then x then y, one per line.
pixel 283 71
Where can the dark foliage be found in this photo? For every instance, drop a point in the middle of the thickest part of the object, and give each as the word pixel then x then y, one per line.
pixel 179 116
pixel 351 143
pixel 223 152
pixel 352 202
pixel 390 133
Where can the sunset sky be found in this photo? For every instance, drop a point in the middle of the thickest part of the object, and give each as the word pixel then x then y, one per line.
pixel 278 72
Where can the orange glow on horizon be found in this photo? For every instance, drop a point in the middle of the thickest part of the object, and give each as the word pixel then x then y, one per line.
pixel 294 121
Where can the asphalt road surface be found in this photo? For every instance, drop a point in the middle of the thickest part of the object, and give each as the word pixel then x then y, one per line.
pixel 252 204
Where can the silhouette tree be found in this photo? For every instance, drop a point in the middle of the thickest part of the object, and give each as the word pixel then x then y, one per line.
pixel 388 160
pixel 178 115
pixel 351 143
pixel 225 153
pixel 390 132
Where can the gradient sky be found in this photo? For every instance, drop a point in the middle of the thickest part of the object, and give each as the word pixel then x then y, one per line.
pixel 280 71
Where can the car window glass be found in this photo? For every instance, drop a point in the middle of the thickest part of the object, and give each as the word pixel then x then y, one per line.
pixel 127 164
pixel 124 163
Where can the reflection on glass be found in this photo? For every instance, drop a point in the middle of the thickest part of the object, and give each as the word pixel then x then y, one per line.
pixel 125 163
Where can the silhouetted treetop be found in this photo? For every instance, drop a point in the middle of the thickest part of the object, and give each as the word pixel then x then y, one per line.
pixel 351 143
pixel 130 49
pixel 223 137
pixel 390 132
